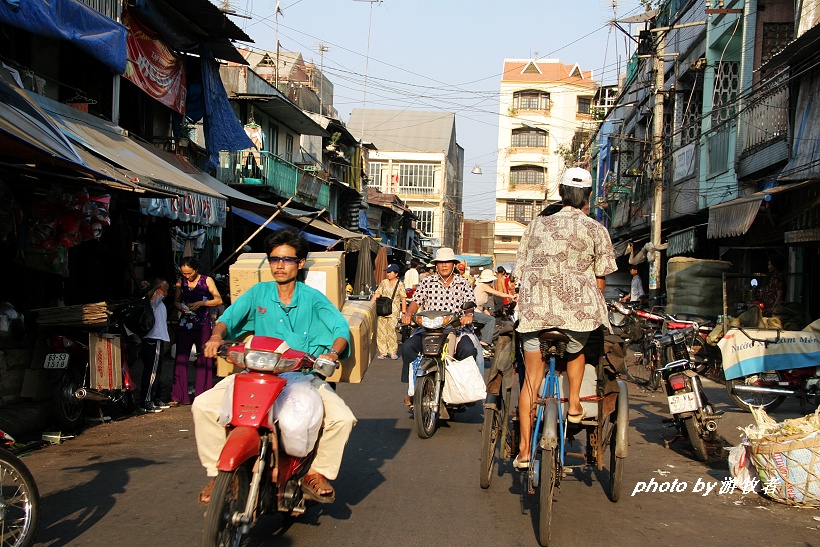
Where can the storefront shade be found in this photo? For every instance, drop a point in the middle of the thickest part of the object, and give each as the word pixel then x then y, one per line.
pixel 99 36
pixel 194 202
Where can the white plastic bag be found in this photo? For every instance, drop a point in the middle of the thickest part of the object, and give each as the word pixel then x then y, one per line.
pixel 740 466
pixel 299 412
pixel 463 382
pixel 411 383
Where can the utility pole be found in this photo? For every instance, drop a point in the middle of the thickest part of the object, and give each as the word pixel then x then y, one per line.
pixel 322 49
pixel 657 163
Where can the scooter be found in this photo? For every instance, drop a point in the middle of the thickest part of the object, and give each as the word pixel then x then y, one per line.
pixel 770 388
pixel 428 370
pixel 693 415
pixel 19 498
pixel 255 474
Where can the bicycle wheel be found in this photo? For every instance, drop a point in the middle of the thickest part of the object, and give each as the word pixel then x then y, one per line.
pixel 616 467
pixel 546 492
pixel 19 502
pixel 743 400
pixel 490 434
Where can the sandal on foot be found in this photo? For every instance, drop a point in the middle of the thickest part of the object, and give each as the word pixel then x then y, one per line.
pixel 408 400
pixel 205 495
pixel 316 488
pixel 576 418
pixel 519 464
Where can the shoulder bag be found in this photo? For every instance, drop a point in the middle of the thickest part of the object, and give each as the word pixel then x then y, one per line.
pixel 384 305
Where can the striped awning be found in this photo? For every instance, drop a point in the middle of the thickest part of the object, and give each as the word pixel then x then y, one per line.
pixel 734 218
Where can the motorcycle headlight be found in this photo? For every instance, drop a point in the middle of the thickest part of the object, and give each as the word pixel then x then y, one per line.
pixel 263 361
pixel 432 322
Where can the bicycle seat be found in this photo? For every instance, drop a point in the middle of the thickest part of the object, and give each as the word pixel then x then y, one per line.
pixel 553 335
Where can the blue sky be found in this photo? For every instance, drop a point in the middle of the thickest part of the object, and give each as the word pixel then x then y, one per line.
pixel 442 55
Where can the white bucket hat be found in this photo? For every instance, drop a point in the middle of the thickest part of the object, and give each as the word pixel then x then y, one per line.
pixel 486 276
pixel 445 254
pixel 577 177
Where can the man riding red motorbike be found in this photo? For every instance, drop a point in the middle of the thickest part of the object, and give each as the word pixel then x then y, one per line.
pixel 307 321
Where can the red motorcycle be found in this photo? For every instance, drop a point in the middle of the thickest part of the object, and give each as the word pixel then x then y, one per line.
pixel 255 474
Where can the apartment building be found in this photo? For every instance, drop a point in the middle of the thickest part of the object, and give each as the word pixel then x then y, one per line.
pixel 418 159
pixel 545 112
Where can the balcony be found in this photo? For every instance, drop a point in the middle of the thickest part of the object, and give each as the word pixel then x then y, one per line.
pixel 265 169
pixel 766 118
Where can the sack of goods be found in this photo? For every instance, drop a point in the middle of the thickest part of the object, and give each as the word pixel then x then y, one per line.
pixel 787 457
pixel 299 412
pixel 384 306
pixel 463 382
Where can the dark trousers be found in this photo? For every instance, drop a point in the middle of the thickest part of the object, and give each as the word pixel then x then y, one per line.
pixel 151 387
pixel 187 339
pixel 411 348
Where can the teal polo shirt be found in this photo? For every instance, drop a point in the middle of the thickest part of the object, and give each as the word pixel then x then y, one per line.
pixel 310 323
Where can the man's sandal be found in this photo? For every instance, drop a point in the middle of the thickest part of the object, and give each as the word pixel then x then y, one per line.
pixel 205 495
pixel 316 488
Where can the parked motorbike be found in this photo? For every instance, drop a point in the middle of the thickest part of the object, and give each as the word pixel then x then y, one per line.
pixel 19 498
pixel 770 388
pixel 693 415
pixel 69 358
pixel 255 474
pixel 428 404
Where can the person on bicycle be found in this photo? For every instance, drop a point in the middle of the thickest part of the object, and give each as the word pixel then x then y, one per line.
pixel 561 264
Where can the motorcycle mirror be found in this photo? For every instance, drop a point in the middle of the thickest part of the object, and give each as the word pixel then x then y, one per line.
pixel 753 283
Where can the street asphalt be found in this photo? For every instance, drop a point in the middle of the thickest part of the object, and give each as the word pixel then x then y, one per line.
pixel 135 482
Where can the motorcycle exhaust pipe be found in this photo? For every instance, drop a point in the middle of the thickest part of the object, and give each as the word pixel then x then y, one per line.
pixel 91 395
pixel 711 425
pixel 760 389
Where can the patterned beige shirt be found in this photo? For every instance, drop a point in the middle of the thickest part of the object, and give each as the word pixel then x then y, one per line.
pixel 557 263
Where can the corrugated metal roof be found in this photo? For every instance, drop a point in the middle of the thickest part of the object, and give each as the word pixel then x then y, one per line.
pixel 208 18
pixel 404 130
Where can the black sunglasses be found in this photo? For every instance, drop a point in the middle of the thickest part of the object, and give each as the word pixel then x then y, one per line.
pixel 285 259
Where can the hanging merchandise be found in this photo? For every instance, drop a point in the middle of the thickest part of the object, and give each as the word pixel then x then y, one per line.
pixel 67 219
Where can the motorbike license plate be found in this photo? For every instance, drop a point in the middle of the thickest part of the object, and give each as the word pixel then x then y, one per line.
pixel 56 360
pixel 683 402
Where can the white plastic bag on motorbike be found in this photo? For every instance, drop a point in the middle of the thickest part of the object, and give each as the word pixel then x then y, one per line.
pixel 299 412
pixel 414 367
pixel 463 382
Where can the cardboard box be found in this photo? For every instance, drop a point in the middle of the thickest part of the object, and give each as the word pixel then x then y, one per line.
pixel 323 271
pixel 361 315
pixel 106 361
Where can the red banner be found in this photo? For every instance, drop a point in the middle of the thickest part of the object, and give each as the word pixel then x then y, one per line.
pixel 153 67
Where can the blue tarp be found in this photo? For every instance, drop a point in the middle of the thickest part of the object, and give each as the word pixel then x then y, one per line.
pixel 222 128
pixel 70 20
pixel 473 260
pixel 274 224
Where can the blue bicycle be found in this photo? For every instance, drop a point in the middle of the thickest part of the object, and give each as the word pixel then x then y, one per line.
pixel 608 427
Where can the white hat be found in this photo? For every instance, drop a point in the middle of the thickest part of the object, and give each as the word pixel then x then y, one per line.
pixel 577 177
pixel 486 276
pixel 445 254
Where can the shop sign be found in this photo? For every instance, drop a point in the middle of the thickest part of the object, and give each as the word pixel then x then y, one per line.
pixel 187 207
pixel 153 67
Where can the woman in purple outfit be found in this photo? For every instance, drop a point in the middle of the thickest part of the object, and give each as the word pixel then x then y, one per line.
pixel 195 293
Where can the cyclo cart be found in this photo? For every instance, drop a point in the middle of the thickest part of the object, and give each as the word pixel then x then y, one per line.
pixel 606 402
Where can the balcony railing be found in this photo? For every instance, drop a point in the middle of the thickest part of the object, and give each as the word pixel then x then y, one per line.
pixel 766 119
pixel 264 168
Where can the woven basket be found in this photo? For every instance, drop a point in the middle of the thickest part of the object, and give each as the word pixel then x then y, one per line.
pixel 794 463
